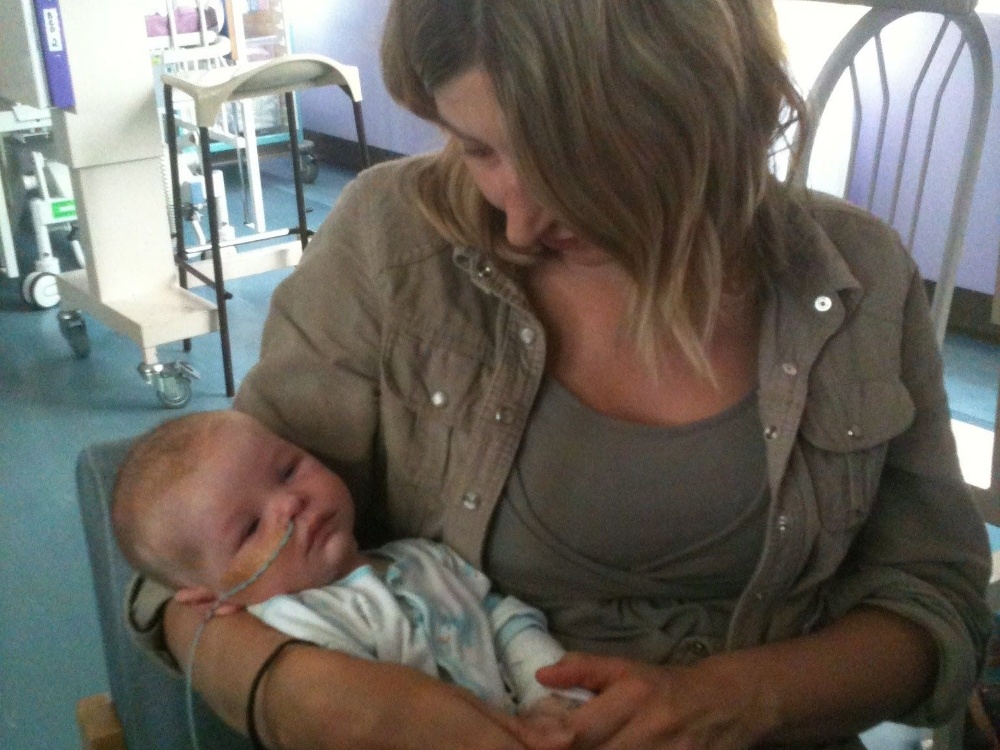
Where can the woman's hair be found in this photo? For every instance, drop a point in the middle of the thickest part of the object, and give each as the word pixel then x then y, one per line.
pixel 647 126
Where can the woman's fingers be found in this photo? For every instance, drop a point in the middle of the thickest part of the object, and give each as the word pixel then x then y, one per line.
pixel 639 706
pixel 583 670
pixel 608 714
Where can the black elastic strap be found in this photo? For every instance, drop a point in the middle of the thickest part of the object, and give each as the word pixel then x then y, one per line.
pixel 255 686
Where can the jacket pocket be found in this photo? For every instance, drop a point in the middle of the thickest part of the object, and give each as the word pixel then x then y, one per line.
pixel 845 437
pixel 430 393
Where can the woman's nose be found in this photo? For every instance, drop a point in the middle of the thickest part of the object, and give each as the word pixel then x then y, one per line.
pixel 525 219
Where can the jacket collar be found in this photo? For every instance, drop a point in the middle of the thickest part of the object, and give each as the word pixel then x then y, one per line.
pixel 814 267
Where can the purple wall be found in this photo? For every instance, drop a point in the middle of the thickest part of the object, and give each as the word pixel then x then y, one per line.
pixel 905 43
pixel 349 32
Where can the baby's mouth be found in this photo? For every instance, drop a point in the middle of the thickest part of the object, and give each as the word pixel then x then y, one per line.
pixel 318 532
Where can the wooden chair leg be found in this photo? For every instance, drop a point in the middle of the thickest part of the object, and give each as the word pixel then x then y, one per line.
pixel 100 728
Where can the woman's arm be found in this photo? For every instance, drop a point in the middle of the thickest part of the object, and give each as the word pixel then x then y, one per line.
pixel 314 698
pixel 867 666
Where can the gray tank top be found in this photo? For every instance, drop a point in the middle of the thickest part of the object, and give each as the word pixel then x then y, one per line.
pixel 633 539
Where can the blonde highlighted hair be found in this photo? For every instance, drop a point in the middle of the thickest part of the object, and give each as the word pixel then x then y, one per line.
pixel 647 126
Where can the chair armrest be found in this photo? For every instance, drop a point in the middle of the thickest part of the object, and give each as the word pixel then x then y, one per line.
pixel 99 726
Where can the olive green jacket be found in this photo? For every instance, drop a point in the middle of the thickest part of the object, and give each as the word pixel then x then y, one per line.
pixel 411 366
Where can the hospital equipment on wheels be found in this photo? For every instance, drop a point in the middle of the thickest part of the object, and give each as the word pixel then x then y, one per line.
pixel 208 91
pixel 130 281
pixel 30 180
pixel 52 207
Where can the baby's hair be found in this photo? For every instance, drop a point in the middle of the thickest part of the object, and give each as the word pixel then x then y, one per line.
pixel 156 462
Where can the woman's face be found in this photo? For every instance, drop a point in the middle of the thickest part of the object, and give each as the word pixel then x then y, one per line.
pixel 469 111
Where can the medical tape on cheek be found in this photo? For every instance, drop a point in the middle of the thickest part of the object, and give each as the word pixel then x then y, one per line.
pixel 245 574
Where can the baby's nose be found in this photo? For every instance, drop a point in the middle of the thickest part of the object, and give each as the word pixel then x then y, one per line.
pixel 287 507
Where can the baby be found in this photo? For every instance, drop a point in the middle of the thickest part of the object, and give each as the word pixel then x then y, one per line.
pixel 202 503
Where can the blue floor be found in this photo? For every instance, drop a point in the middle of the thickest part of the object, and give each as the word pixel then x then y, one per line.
pixel 970 374
pixel 51 405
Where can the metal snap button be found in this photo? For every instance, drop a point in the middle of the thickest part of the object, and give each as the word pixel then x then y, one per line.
pixel 503 416
pixel 485 270
pixel 823 303
pixel 470 500
pixel 527 336
pixel 790 369
pixel 770 432
pixel 439 398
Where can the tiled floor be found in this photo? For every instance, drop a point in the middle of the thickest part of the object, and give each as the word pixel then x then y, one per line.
pixel 971 374
pixel 51 405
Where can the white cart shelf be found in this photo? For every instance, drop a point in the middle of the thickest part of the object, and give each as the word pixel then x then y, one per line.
pixel 209 91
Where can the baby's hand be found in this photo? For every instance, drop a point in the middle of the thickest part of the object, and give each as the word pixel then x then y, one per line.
pixel 204 602
pixel 227 609
pixel 543 723
pixel 552 709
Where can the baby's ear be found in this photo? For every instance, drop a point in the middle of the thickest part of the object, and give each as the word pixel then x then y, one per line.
pixel 195 595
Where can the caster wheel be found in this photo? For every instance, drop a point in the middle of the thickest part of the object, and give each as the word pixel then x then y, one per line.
pixel 172 381
pixel 174 391
pixel 40 289
pixel 74 330
pixel 310 169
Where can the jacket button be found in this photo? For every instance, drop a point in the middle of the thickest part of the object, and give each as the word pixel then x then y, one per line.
pixel 783 522
pixel 485 270
pixel 699 648
pixel 854 431
pixel 790 369
pixel 470 500
pixel 527 336
pixel 823 303
pixel 439 398
pixel 770 432
pixel 503 416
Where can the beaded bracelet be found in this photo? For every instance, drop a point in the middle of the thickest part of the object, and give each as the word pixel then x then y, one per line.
pixel 255 686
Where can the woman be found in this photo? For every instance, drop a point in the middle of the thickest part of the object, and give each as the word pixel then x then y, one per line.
pixel 596 347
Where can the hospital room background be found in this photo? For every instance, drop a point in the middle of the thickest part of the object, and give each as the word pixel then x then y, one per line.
pixel 67 382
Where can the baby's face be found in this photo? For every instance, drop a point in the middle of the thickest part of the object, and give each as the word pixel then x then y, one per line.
pixel 238 504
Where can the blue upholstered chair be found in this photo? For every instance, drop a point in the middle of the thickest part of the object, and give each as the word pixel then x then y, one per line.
pixel 145 709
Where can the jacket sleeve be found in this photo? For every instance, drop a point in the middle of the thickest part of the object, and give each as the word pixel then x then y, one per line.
pixel 923 552
pixel 523 646
pixel 316 381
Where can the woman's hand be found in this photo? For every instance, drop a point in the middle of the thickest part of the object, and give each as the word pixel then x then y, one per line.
pixel 641 706
pixel 314 698
pixel 868 666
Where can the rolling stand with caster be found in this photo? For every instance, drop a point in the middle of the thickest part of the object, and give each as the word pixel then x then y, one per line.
pixel 208 91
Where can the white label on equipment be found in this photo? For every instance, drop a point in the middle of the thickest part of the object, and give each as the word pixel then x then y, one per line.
pixel 53 34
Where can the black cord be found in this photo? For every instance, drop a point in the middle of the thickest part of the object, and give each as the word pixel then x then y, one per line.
pixel 255 686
